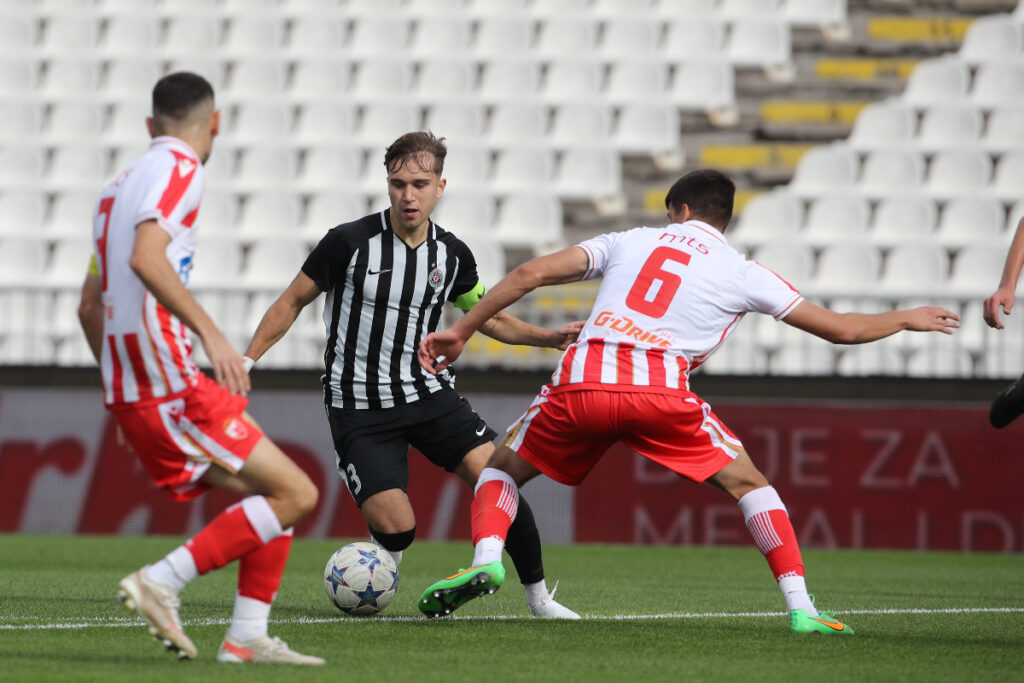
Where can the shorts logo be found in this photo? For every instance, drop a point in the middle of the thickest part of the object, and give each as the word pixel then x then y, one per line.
pixel 236 429
pixel 436 278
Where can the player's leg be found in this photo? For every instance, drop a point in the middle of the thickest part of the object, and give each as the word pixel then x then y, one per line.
pixel 391 520
pixel 768 522
pixel 522 540
pixel 1007 405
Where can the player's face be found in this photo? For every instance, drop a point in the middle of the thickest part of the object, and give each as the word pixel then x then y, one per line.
pixel 414 192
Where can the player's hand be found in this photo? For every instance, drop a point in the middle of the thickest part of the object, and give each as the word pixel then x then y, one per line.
pixel 1003 298
pixel 567 334
pixel 933 319
pixel 228 367
pixel 438 350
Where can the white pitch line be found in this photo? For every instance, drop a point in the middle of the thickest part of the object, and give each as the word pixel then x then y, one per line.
pixel 122 622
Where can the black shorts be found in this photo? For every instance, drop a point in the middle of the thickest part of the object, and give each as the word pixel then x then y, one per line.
pixel 372 445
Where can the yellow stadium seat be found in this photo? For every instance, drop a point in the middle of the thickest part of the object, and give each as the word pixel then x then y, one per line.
pixel 918 29
pixel 788 112
pixel 863 68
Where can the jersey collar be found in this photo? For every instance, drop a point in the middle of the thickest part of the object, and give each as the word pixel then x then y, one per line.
pixel 174 143
pixel 708 228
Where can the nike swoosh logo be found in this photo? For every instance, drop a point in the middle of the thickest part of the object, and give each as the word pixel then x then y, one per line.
pixel 834 625
pixel 480 432
pixel 371 271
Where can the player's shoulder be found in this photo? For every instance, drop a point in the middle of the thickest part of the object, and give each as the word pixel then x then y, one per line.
pixel 448 238
pixel 359 230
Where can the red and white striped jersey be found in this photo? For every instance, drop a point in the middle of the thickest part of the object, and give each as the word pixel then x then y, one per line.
pixel 146 350
pixel 668 299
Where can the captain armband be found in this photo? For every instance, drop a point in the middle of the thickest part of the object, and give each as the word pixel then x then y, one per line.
pixel 469 299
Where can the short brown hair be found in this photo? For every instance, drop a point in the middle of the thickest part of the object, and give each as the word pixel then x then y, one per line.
pixel 708 193
pixel 414 146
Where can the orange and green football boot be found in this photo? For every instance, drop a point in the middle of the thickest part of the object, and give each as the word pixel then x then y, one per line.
pixel 447 595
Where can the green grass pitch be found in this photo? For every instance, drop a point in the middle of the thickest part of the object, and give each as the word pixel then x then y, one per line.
pixel 653 613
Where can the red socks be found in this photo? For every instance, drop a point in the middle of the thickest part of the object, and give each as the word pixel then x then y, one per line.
pixel 495 505
pixel 773 533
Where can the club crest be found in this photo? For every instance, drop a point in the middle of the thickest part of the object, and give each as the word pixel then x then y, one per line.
pixel 436 278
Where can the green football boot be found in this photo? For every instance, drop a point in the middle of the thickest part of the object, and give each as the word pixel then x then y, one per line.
pixel 447 595
pixel 802 622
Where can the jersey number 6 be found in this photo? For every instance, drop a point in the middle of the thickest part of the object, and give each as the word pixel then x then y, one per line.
pixel 654 271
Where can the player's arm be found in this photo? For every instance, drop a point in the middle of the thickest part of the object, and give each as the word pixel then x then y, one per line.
pixel 1004 297
pixel 568 265
pixel 90 309
pixel 509 329
pixel 149 261
pixel 282 314
pixel 858 328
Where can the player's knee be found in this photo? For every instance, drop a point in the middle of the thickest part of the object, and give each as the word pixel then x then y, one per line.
pixel 308 496
pixel 394 542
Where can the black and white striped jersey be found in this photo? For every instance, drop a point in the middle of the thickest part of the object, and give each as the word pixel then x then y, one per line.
pixel 383 297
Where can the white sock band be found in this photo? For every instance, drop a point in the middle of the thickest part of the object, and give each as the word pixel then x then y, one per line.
pixel 760 500
pixel 262 518
pixel 492 474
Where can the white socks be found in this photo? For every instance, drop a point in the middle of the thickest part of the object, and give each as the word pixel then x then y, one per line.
pixel 488 550
pixel 249 620
pixel 794 590
pixel 175 571
pixel 536 593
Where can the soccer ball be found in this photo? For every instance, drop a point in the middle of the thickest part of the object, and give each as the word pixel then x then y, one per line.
pixel 361 579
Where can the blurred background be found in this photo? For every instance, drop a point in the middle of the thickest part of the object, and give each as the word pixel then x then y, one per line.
pixel 877 145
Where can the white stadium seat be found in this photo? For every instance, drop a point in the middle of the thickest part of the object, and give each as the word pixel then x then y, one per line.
pixel 272 264
pixel 580 125
pixel 837 218
pixel 825 169
pixel 131 35
pixel 998 84
pixel 378 36
pixel 320 122
pixel 509 81
pixel 381 79
pixel 503 37
pixel 976 269
pixel 465 212
pixel 904 218
pixel 440 36
pixel 19 75
pixel 530 220
pixel 79 166
pixel 256 78
pixel 217 263
pixel 23 213
pixel 821 13
pixel 381 123
pixel 937 81
pixel 458 122
pixel 18 33
pixel 638 82
pixel 467 167
pixel 589 174
pixel 443 80
pixel 704 85
pixel 574 81
pixel 21 166
pixel 126 78
pixel 915 270
pixel 254 34
pixel 218 214
pixel 847 270
pixel 883 125
pixel 889 172
pixel 69 77
pixel 320 79
pixel 648 129
pixel 24 260
pixel 952 126
pixel 23 121
pixel 266 167
pixel 70 33
pixel 971 220
pixel 733 10
pixel 1005 129
pixel 1009 176
pixel 270 214
pixel 518 124
pixel 566 37
pixel 207 65
pixel 330 166
pixel 940 361
pixel 769 217
pixel 260 123
pixel 188 34
pixel 317 34
pixel 689 37
pixel 74 122
pixel 635 37
pixel 331 208
pixel 72 213
pixel 990 38
pixel 956 173
pixel 523 169
pixel 763 42
pixel 792 261
pixel 879 359
pixel 70 260
pixel 127 124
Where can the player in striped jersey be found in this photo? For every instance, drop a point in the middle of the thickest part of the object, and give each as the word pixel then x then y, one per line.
pixel 189 432
pixel 669 297
pixel 387 277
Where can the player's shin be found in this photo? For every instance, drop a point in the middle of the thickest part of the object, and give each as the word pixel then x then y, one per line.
pixel 494 508
pixel 259 576
pixel 768 522
pixel 236 532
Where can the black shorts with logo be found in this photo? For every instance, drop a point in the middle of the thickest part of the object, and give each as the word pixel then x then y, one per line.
pixel 372 445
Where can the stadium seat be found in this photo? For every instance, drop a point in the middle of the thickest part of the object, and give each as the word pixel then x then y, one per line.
pixel 915 270
pixel 825 169
pixel 253 35
pixel 517 124
pixel 466 212
pixel 902 219
pixel 127 125
pixel 72 213
pixel 998 84
pixel 509 81
pixel 23 121
pixel 331 166
pixel 580 125
pixel 24 259
pixel 377 35
pixel 270 214
pixel 74 122
pixel 802 354
pixel 871 360
pixel 79 167
pixel 976 270
pixel 266 168
pixel 326 122
pixel 955 173
pixel 991 38
pixel 650 129
pixel 127 78
pixel 952 126
pixel 217 264
pixel 683 8
pixel 589 174
pixel 458 122
pixel 70 33
pixel 381 79
pixel 532 220
pixel 1014 215
pixel 940 361
pixel 883 125
pixel 70 77
pixel 821 13
pixel 221 167
pixel 440 36
pixel 19 75
pixel 504 36
pixel 192 34
pixel 218 214
pixel 558 7
pixel 617 9
pixel 688 37
pixel 634 37
pixel 1005 129
pixel 847 270
pixel 316 35
pixel 889 172
pixel 706 86
pixel 256 78
pixel 262 122
pixel 381 123
pixel 834 219
pixel 734 10
pixel 770 217
pixel 937 81
pixel 638 82
pixel 490 257
pixel 317 80
pixel 442 81
pixel 70 259
pixel 791 260
pixel 19 33
pixel 467 167
pixel 567 37
pixel 763 43
pixel 572 81
pixel 131 35
pixel 523 170
pixel 207 65
pixel 24 213
pixel 1009 176
pixel 330 208
pixel 970 220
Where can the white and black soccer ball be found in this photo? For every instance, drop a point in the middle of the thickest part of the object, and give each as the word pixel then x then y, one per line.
pixel 361 578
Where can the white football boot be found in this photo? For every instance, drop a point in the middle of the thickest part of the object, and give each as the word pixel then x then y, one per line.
pixel 159 607
pixel 265 649
pixel 549 608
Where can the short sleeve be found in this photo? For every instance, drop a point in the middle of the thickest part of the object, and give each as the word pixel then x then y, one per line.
pixel 768 293
pixel 326 264
pixel 466 279
pixel 173 196
pixel 599 250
